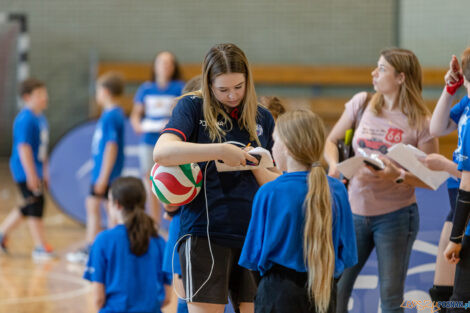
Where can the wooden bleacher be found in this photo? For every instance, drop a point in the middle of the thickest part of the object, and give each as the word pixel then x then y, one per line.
pixel 294 75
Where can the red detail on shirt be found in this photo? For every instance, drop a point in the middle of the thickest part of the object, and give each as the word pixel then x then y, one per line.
pixel 176 130
pixel 394 135
pixel 234 113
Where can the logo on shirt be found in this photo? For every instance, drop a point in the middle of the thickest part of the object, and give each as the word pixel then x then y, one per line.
pixel 394 135
pixel 204 123
pixel 259 130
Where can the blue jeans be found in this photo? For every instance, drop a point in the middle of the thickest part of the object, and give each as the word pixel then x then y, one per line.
pixel 392 235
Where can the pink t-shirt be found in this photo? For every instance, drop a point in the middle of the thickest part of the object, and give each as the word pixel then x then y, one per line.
pixel 370 195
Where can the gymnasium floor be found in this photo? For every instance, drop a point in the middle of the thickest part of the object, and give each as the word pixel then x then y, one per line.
pixel 47 287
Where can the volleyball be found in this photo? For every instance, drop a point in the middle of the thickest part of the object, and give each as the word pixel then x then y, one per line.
pixel 176 185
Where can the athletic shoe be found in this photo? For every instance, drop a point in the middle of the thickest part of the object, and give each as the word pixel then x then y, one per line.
pixel 43 253
pixel 80 256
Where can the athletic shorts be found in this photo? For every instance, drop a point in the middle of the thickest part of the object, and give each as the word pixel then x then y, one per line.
pixel 283 290
pixel 227 278
pixel 33 203
pixel 453 192
pixel 94 194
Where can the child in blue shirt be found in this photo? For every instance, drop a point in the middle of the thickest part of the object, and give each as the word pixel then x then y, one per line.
pixel 28 165
pixel 301 234
pixel 125 263
pixel 153 103
pixel 108 156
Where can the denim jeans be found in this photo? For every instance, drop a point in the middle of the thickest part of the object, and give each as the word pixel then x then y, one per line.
pixel 392 235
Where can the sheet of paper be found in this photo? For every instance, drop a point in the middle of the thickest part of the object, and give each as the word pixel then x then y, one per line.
pixel 350 166
pixel 407 156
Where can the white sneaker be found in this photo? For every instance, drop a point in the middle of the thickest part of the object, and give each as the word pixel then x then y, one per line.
pixel 79 256
pixel 43 254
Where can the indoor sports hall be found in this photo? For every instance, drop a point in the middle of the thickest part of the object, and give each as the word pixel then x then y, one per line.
pixel 88 58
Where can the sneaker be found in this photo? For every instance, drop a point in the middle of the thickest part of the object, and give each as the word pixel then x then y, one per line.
pixel 43 253
pixel 3 244
pixel 80 256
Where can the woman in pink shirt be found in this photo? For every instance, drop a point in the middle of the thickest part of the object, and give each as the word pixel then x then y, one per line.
pixel 383 201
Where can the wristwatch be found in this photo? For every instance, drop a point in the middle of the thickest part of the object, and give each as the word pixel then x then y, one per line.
pixel 400 178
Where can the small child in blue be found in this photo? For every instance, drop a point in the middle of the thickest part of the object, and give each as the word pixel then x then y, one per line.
pixel 125 263
pixel 107 151
pixel 28 165
pixel 301 234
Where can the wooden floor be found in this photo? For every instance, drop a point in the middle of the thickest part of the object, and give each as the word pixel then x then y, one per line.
pixel 47 287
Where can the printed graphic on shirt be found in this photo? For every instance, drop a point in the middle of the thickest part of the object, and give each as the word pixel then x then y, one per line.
pixel 379 139
pixel 44 143
pixel 158 106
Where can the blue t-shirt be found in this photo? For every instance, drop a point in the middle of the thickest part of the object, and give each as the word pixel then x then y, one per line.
pixel 33 130
pixel 110 128
pixel 157 105
pixel 275 235
pixel 173 233
pixel 230 194
pixel 460 113
pixel 132 283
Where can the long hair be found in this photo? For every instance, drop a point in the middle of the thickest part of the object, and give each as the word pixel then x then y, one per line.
pixel 176 73
pixel 224 59
pixel 410 99
pixel 303 134
pixel 129 192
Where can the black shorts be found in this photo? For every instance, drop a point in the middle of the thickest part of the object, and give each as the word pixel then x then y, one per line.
pixel 228 278
pixel 94 194
pixel 453 192
pixel 33 203
pixel 283 290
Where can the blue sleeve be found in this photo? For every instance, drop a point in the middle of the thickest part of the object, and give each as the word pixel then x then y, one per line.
pixel 347 247
pixel 95 270
pixel 24 131
pixel 457 110
pixel 140 94
pixel 463 162
pixel 253 247
pixel 111 128
pixel 184 118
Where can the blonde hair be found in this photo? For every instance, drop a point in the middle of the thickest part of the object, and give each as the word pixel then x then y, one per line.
pixel 223 59
pixel 466 63
pixel 303 133
pixel 410 98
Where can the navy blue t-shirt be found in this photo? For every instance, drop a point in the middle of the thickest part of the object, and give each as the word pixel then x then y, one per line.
pixel 230 194
pixel 132 283
pixel 33 130
pixel 110 128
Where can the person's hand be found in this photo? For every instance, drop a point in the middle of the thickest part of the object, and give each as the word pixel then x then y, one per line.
pixel 389 172
pixel 235 156
pixel 100 187
pixel 452 252
pixel 435 162
pixel 33 182
pixel 453 77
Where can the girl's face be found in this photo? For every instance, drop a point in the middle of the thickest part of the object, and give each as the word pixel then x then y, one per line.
pixel 385 78
pixel 165 66
pixel 279 152
pixel 229 89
